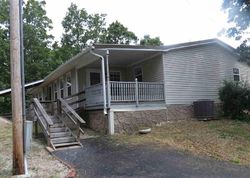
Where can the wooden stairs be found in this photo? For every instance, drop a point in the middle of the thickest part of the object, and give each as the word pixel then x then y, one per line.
pixel 61 136
pixel 61 130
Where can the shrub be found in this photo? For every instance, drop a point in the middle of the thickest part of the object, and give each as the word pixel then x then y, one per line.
pixel 235 97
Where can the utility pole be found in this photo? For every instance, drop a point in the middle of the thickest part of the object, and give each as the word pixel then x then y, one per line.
pixel 16 89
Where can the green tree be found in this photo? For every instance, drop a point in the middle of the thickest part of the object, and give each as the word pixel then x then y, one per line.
pixel 37 41
pixel 36 45
pixel 4 45
pixel 239 16
pixel 79 27
pixel 4 55
pixel 147 40
pixel 119 34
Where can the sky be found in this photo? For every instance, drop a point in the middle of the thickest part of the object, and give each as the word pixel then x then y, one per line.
pixel 174 21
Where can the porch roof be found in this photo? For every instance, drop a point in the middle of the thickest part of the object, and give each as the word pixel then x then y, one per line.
pixel 123 55
pixel 125 58
pixel 84 58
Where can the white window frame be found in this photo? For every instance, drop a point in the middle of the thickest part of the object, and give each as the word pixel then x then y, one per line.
pixel 236 74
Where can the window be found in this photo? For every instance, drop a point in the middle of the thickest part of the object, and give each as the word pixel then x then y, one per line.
pixel 115 76
pixel 55 90
pixel 236 74
pixel 49 92
pixel 40 95
pixel 138 74
pixel 95 78
pixel 61 87
pixel 68 84
pixel 45 93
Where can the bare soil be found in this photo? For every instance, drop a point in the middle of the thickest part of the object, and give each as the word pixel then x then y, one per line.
pixel 40 162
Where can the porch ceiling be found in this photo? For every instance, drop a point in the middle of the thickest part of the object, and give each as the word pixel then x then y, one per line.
pixel 124 58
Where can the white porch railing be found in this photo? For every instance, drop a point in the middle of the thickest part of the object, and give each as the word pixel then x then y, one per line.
pixel 136 91
pixel 127 92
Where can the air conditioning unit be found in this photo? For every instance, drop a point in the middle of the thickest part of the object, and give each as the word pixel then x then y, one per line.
pixel 204 109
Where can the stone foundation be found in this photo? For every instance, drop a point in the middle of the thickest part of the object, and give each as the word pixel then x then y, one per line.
pixel 98 121
pixel 177 112
pixel 131 121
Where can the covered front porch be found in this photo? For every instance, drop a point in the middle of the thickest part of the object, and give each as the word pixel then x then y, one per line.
pixel 119 78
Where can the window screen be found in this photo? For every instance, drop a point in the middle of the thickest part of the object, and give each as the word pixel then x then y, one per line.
pixel 61 88
pixel 138 74
pixel 95 78
pixel 115 76
pixel 55 90
pixel 69 84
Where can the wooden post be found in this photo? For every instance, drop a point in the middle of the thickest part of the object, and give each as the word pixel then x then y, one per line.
pixel 36 129
pixel 16 89
pixel 136 92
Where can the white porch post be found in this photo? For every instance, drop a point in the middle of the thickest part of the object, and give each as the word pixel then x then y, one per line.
pixel 108 79
pixel 136 92
pixel 111 123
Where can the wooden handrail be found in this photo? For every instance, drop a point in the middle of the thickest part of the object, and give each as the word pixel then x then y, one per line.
pixel 72 111
pixel 63 106
pixel 43 112
pixel 46 132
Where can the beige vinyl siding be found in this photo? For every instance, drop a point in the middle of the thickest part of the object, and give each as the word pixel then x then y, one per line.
pixel 152 70
pixel 196 73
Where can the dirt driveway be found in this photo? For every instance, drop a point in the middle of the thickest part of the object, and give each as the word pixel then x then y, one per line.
pixel 102 157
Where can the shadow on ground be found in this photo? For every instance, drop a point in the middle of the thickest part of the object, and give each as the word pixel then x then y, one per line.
pixel 100 157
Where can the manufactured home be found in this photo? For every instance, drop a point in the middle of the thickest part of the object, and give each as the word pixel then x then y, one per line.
pixel 117 88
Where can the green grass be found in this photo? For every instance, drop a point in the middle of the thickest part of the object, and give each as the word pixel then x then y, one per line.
pixel 222 139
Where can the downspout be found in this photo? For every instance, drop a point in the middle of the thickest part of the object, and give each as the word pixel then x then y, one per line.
pixel 111 125
pixel 103 80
